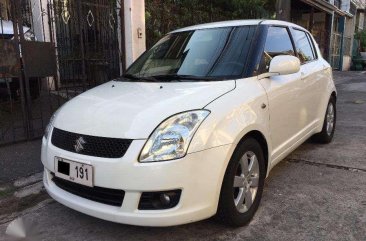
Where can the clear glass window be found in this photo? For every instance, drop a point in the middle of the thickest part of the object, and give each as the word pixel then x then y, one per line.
pixel 278 42
pixel 303 47
pixel 218 52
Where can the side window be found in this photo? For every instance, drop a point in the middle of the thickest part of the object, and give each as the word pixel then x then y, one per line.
pixel 311 40
pixel 303 47
pixel 278 42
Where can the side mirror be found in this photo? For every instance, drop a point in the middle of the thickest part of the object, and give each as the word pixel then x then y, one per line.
pixel 283 65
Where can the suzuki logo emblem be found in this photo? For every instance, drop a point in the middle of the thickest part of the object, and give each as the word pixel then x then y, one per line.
pixel 79 144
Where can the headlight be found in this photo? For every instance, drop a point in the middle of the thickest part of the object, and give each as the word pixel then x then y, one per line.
pixel 49 127
pixel 29 36
pixel 171 138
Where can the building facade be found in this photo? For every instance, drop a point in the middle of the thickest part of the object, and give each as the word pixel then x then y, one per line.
pixel 333 24
pixel 86 27
pixel 53 50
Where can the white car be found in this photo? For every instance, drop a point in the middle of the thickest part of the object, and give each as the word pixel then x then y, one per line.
pixel 194 127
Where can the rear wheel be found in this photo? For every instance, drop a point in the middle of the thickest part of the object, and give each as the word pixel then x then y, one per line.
pixel 327 133
pixel 243 183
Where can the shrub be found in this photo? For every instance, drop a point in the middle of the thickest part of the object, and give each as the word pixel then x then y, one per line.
pixel 163 16
pixel 361 36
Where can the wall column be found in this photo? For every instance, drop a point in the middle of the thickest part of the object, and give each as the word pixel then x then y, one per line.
pixel 135 34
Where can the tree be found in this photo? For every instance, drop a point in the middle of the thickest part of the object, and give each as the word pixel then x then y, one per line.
pixel 163 16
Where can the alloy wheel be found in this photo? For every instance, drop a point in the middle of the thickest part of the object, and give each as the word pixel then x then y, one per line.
pixel 246 182
pixel 330 118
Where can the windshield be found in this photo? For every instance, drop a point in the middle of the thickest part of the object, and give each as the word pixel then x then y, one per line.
pixel 219 53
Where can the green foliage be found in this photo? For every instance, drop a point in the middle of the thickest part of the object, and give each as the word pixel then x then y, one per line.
pixel 361 36
pixel 163 16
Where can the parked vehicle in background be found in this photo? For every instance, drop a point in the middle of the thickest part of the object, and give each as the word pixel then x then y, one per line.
pixel 194 127
pixel 10 86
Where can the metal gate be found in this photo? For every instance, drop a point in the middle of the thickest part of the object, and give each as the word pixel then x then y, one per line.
pixel 86 35
pixel 50 51
pixel 336 50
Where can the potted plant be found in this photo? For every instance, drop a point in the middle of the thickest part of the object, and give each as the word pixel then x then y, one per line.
pixel 361 36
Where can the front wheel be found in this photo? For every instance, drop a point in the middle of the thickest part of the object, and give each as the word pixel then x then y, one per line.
pixel 327 133
pixel 243 183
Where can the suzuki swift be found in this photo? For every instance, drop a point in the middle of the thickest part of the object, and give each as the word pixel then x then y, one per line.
pixel 194 126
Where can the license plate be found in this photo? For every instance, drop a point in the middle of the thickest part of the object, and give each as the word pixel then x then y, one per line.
pixel 74 171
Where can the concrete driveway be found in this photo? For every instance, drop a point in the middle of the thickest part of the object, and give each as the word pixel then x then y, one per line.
pixel 318 193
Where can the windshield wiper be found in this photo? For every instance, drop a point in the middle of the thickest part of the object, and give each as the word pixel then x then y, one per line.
pixel 173 77
pixel 138 78
pixel 168 78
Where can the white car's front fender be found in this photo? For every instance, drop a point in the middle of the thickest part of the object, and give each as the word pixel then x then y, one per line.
pixel 233 115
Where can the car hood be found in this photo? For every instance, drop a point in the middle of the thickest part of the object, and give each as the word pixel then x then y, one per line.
pixel 133 110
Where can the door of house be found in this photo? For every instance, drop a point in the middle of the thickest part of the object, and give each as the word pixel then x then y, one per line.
pixel 87 39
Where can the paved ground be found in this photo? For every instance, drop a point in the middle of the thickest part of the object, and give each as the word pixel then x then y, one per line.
pixel 20 160
pixel 318 193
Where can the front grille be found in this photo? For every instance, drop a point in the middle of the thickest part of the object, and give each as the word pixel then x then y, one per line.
pixel 91 145
pixel 113 197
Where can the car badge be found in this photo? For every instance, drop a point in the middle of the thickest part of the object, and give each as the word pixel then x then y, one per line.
pixel 79 144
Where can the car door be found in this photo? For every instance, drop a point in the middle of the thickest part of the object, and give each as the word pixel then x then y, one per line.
pixel 313 78
pixel 286 106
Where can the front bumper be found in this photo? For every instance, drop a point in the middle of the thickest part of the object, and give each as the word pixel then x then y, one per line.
pixel 199 175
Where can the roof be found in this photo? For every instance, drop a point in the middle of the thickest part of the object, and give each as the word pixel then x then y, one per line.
pixel 234 23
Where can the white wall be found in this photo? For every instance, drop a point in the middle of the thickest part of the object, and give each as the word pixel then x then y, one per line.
pixel 347 60
pixel 40 20
pixel 134 23
pixel 346 5
pixel 361 21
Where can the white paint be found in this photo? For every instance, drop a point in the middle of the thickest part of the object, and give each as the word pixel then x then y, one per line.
pixel 237 23
pixel 284 65
pixel 294 109
pixel 133 98
pixel 134 20
pixel 361 21
pixel 347 61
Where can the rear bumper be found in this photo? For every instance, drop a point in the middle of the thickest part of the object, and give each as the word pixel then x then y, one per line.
pixel 199 176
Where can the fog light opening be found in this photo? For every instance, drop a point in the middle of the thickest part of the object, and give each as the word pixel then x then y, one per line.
pixel 159 200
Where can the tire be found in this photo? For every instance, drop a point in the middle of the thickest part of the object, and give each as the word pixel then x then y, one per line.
pixel 230 211
pixel 326 135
